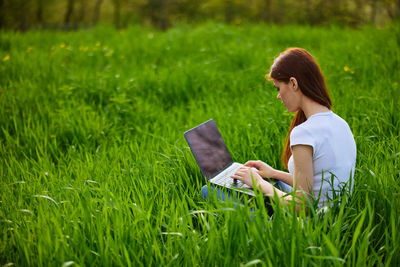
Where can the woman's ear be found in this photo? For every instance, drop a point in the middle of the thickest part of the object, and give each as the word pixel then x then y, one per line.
pixel 293 83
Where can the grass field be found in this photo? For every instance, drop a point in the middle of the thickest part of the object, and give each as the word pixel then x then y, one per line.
pixel 94 168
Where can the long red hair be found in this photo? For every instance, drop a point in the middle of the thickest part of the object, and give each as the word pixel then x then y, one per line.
pixel 300 64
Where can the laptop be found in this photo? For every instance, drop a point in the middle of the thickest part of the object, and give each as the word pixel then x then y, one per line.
pixel 213 157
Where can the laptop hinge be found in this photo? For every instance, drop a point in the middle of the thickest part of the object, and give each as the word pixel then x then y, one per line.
pixel 223 169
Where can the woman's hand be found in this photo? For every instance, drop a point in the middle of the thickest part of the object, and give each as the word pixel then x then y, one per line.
pixel 264 170
pixel 247 175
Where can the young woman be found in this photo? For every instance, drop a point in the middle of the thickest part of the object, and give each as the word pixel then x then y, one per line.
pixel 319 143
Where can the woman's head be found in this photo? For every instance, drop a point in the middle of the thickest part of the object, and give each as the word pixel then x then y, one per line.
pixel 295 66
pixel 297 63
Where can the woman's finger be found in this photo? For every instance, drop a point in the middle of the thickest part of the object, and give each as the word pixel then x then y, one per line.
pixel 240 170
pixel 241 173
pixel 250 163
pixel 236 177
pixel 238 174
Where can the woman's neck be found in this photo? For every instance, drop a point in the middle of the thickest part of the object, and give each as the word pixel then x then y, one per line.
pixel 311 107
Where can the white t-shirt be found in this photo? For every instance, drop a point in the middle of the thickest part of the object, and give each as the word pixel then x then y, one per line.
pixel 334 150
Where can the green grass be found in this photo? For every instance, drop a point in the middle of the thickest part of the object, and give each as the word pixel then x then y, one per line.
pixel 95 170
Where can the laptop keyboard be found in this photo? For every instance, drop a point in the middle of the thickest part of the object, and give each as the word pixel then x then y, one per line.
pixel 224 178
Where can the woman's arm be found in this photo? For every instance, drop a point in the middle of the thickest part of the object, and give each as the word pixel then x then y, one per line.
pixel 303 173
pixel 303 168
pixel 284 177
pixel 264 170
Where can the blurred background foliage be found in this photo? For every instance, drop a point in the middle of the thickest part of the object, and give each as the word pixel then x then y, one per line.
pixel 72 14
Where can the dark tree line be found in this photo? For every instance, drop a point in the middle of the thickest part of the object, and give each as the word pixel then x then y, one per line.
pixel 27 14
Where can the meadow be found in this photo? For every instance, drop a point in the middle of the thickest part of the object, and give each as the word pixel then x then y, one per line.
pixel 95 171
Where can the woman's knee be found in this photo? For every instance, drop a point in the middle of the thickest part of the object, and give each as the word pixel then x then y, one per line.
pixel 284 187
pixel 204 191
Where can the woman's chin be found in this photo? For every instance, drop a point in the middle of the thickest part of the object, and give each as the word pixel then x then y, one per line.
pixel 292 109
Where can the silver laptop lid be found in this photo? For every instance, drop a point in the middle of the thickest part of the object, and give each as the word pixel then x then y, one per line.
pixel 208 148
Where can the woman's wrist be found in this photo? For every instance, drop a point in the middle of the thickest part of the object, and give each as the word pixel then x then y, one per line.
pixel 266 187
pixel 274 174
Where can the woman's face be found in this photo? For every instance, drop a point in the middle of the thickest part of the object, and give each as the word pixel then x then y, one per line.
pixel 288 93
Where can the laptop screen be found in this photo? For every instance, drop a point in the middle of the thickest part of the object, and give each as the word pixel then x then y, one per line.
pixel 208 148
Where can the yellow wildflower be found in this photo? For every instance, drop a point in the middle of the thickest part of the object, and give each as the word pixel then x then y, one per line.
pixel 109 53
pixel 29 49
pixel 105 47
pixel 53 136
pixel 6 58
pixel 62 45
pixel 347 69
pixel 98 44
